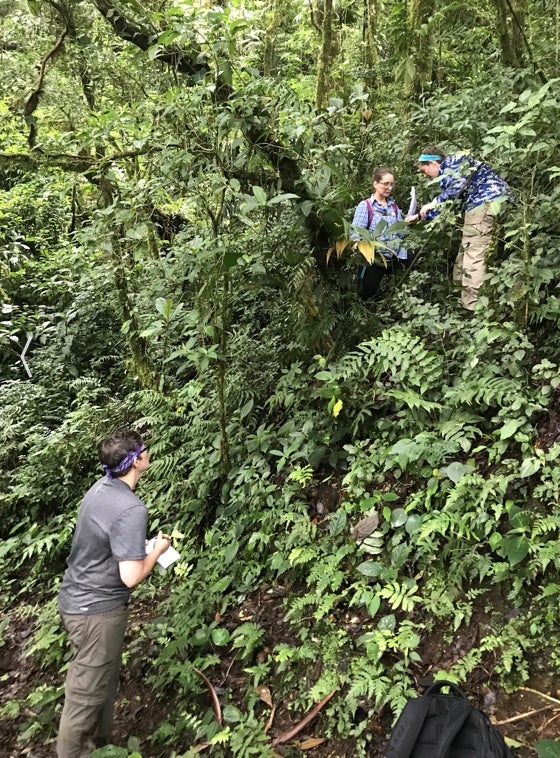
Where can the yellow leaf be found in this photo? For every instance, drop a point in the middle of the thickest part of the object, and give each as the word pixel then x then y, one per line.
pixel 176 535
pixel 341 245
pixel 337 408
pixel 367 250
pixel 311 743
pixel 329 253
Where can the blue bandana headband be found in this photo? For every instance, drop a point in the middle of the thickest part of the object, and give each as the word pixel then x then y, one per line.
pixel 125 463
pixel 425 157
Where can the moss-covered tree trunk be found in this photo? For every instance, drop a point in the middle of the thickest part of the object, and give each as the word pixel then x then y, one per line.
pixel 420 51
pixel 509 33
pixel 325 57
pixel 370 40
pixel 269 38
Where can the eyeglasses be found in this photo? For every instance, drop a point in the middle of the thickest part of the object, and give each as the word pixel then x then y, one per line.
pixel 143 450
pixel 386 184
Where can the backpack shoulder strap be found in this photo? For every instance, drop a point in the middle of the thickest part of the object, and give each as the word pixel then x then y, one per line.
pixel 407 728
pixel 369 207
pixel 458 715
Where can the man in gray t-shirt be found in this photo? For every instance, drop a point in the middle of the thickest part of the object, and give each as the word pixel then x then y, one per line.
pixel 108 558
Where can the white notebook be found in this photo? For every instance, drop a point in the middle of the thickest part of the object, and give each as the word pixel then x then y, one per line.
pixel 166 558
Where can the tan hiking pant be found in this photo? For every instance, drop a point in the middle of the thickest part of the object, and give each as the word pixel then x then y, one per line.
pixel 470 264
pixel 91 682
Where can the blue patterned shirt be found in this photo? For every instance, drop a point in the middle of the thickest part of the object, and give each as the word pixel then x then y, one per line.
pixel 391 214
pixel 474 180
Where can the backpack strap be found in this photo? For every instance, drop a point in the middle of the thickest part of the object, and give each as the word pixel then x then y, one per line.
pixel 458 714
pixel 408 727
pixel 369 207
pixel 457 717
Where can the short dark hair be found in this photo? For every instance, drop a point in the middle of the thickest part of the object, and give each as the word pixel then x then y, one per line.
pixel 433 150
pixel 114 449
pixel 379 173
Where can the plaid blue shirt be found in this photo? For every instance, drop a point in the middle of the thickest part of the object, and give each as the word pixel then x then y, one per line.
pixel 474 180
pixel 391 214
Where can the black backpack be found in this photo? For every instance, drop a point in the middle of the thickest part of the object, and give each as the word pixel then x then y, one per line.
pixel 438 725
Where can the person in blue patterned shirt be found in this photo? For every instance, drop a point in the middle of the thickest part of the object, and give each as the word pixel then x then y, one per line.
pixel 379 207
pixel 477 185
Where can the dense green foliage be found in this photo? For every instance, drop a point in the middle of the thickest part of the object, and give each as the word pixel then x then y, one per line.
pixel 165 214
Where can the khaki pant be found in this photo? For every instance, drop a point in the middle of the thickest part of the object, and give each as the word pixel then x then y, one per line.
pixel 470 265
pixel 91 682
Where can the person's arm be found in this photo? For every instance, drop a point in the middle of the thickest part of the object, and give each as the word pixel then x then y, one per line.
pixel 133 572
pixel 428 211
pixel 456 175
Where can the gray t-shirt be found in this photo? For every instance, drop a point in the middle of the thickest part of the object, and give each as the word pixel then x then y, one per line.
pixel 111 527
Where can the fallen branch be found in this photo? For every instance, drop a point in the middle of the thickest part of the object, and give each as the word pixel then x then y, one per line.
pixel 287 736
pixel 541 694
pixel 270 719
pixel 215 701
pixel 521 716
pixel 547 723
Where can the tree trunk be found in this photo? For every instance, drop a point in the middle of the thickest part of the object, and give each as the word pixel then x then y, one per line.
pixel 508 34
pixel 370 40
pixel 270 36
pixel 419 14
pixel 325 55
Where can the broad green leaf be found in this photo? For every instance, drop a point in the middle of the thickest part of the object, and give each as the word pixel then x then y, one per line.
pixel 337 522
pixel 260 195
pixel 413 523
pixel 529 466
pixel 231 714
pixel 306 207
pixel 372 604
pixel 520 520
pixel 548 748
pixel 456 471
pixel 510 427
pixel 220 636
pixel 398 517
pixel 370 568
pixel 389 497
pixel 387 623
pixel 399 554
pixel 164 306
pixel 200 637
pixel 221 585
pixel 495 540
pixel 247 408
pixel 282 198
pixel 515 548
pixel 230 552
